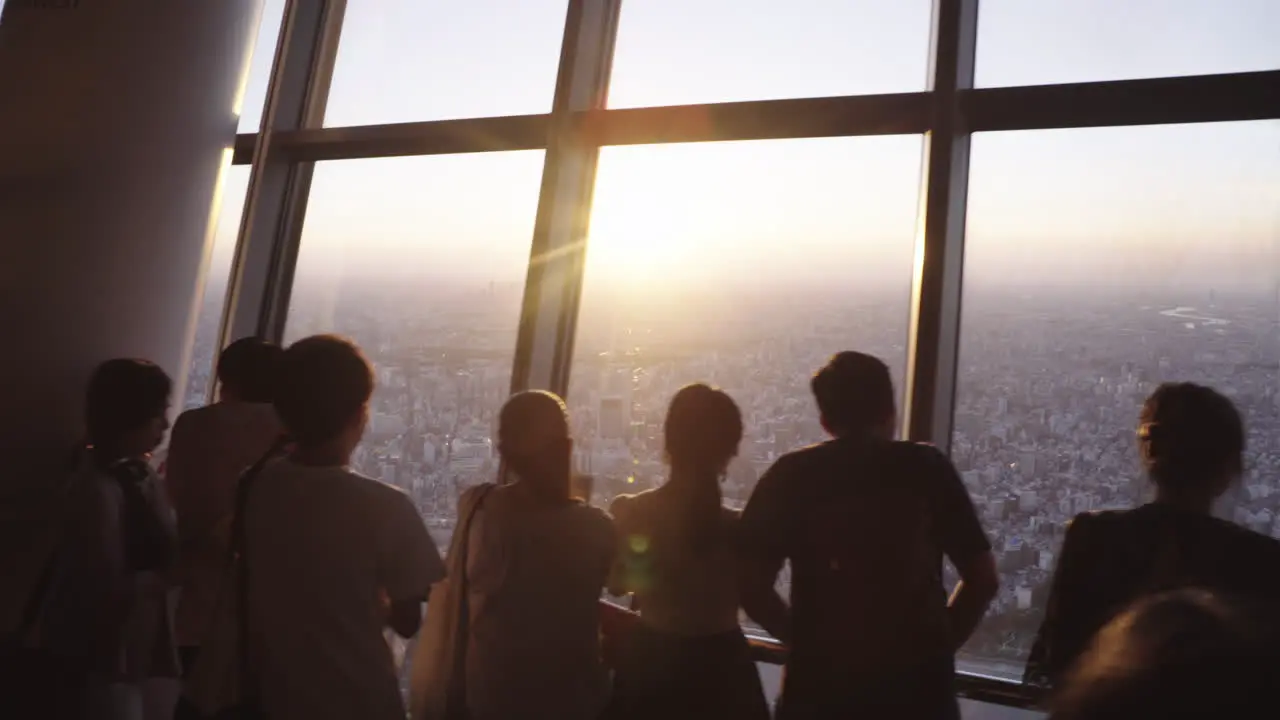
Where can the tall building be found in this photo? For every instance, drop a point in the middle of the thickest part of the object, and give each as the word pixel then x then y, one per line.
pixel 614 419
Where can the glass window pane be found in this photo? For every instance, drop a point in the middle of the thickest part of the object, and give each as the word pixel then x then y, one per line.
pixel 674 52
pixel 1061 41
pixel 422 261
pixel 412 60
pixel 1099 263
pixel 745 265
pixel 264 53
pixel 235 182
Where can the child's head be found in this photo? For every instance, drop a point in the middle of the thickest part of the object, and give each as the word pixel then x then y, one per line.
pixel 247 370
pixel 126 405
pixel 323 390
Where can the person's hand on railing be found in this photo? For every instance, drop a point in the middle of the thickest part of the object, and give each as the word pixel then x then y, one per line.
pixel 616 626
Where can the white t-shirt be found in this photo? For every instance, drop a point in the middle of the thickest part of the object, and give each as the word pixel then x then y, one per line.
pixel 322 543
pixel 208 450
pixel 535 573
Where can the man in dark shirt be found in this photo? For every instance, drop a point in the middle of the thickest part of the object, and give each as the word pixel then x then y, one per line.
pixel 865 522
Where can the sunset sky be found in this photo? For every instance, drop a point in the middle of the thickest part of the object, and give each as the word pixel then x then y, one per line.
pixel 1178 204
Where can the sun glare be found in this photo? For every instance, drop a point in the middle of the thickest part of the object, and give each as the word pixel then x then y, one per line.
pixel 645 222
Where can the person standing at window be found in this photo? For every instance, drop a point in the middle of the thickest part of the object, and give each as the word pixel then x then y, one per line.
pixel 537 560
pixel 865 523
pixel 687 658
pixel 106 613
pixel 208 450
pixel 1192 441
pixel 332 557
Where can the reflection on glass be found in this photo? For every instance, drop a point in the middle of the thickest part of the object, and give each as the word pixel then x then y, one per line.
pixel 1061 41
pixel 1100 263
pixel 412 60
pixel 264 53
pixel 673 52
pixel 743 264
pixel 421 260
pixel 214 296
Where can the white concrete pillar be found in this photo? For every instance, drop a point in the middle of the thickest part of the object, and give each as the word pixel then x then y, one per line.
pixel 116 119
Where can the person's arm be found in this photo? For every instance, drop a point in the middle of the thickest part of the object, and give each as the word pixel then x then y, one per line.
pixel 617 583
pixel 409 564
pixel 973 594
pixel 965 543
pixel 98 545
pixel 763 535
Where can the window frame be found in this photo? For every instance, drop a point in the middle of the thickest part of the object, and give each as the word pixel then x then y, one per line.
pixel 947 114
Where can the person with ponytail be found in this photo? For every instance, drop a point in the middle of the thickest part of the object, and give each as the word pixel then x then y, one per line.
pixel 1191 440
pixel 535 564
pixel 687 656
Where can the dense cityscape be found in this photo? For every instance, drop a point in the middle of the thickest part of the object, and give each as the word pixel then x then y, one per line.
pixel 1048 396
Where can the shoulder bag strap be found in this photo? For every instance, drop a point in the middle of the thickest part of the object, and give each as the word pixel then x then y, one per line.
pixel 239 559
pixel 462 633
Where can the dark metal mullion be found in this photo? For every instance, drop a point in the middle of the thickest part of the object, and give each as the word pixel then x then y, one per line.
pixel 544 340
pixel 1154 101
pixel 437 137
pixel 1151 101
pixel 278 187
pixel 936 293
pixel 893 114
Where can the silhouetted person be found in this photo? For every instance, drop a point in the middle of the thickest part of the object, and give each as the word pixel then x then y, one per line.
pixel 865 522
pixel 106 612
pixel 332 556
pixel 678 554
pixel 1186 654
pixel 537 560
pixel 208 450
pixel 1191 440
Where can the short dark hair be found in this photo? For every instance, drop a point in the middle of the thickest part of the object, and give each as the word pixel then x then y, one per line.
pixel 323 382
pixel 1184 654
pixel 248 367
pixel 124 394
pixel 854 391
pixel 1189 434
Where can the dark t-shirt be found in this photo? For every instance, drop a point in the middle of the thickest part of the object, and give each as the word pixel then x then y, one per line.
pixel 1110 559
pixel 865 525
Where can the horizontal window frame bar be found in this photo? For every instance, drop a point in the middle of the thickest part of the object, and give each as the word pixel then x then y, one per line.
pixel 1160 101
pixel 896 114
pixel 979 688
pixel 994 691
pixel 1232 97
pixel 242 150
pixel 439 137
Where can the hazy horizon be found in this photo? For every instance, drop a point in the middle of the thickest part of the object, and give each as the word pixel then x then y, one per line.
pixel 1191 205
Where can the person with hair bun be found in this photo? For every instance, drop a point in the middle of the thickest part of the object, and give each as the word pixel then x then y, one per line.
pixel 534 559
pixel 1191 441
pixel 687 657
pixel 330 558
